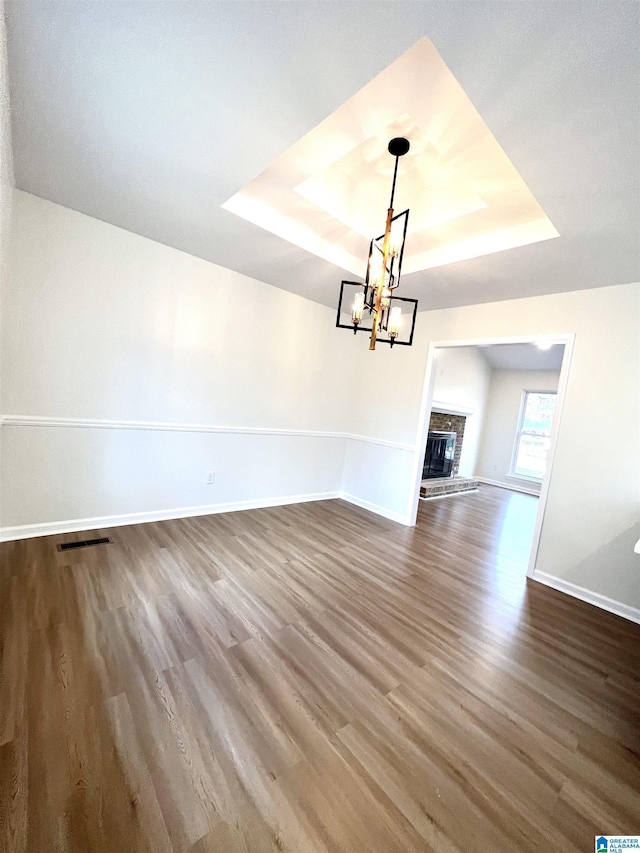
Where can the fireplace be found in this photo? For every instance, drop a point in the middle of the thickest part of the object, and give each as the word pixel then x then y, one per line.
pixel 445 422
pixel 439 457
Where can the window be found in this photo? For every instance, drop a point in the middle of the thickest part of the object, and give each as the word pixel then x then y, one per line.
pixel 534 434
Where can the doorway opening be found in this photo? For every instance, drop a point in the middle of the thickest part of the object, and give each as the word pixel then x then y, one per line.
pixel 489 421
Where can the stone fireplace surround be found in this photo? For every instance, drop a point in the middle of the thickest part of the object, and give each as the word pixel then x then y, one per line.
pixel 442 486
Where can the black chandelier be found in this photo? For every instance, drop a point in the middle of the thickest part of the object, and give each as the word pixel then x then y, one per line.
pixel 389 325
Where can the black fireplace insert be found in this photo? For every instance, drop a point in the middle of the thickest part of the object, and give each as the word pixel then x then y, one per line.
pixel 438 460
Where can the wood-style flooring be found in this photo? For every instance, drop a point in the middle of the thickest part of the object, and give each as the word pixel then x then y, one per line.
pixel 308 679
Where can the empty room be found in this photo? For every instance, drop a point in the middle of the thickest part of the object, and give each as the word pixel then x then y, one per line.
pixel 319 426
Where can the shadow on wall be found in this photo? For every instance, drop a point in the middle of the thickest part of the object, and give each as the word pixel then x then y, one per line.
pixel 607 563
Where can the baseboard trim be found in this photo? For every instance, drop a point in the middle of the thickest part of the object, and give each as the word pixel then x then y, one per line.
pixel 398 517
pixel 595 598
pixel 450 495
pixel 50 528
pixel 511 488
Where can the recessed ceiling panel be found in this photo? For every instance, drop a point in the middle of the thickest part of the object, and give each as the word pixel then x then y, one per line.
pixel 338 188
pixel 329 192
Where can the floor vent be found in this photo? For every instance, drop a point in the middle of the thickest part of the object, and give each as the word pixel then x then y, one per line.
pixel 84 543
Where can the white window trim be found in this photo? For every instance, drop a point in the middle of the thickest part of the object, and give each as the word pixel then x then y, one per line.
pixel 520 432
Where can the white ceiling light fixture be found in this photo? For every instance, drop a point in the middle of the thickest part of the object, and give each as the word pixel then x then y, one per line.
pixel 545 344
pixel 384 267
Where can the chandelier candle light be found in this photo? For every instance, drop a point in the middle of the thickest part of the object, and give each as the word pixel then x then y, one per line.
pixel 375 296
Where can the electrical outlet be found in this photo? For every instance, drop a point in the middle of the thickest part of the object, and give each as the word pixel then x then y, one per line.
pixel 211 478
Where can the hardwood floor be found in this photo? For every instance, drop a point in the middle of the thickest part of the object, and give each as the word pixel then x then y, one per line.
pixel 311 678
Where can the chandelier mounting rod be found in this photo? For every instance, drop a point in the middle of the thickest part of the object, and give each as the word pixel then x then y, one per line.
pixel 398 147
pixel 393 185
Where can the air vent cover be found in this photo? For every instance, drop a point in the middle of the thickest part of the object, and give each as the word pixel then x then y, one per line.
pixel 68 546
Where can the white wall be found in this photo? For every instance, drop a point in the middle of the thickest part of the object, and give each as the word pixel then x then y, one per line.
pixel 102 324
pixel 592 506
pixel 106 325
pixel 462 383
pixel 501 422
pixel 6 158
pixel 6 177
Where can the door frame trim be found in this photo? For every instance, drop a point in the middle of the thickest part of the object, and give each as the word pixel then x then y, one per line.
pixel 427 402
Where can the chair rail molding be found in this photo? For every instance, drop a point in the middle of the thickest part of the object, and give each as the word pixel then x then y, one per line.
pixel 169 426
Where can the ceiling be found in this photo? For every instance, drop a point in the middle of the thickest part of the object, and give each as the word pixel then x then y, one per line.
pixel 327 193
pixel 152 115
pixel 522 357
